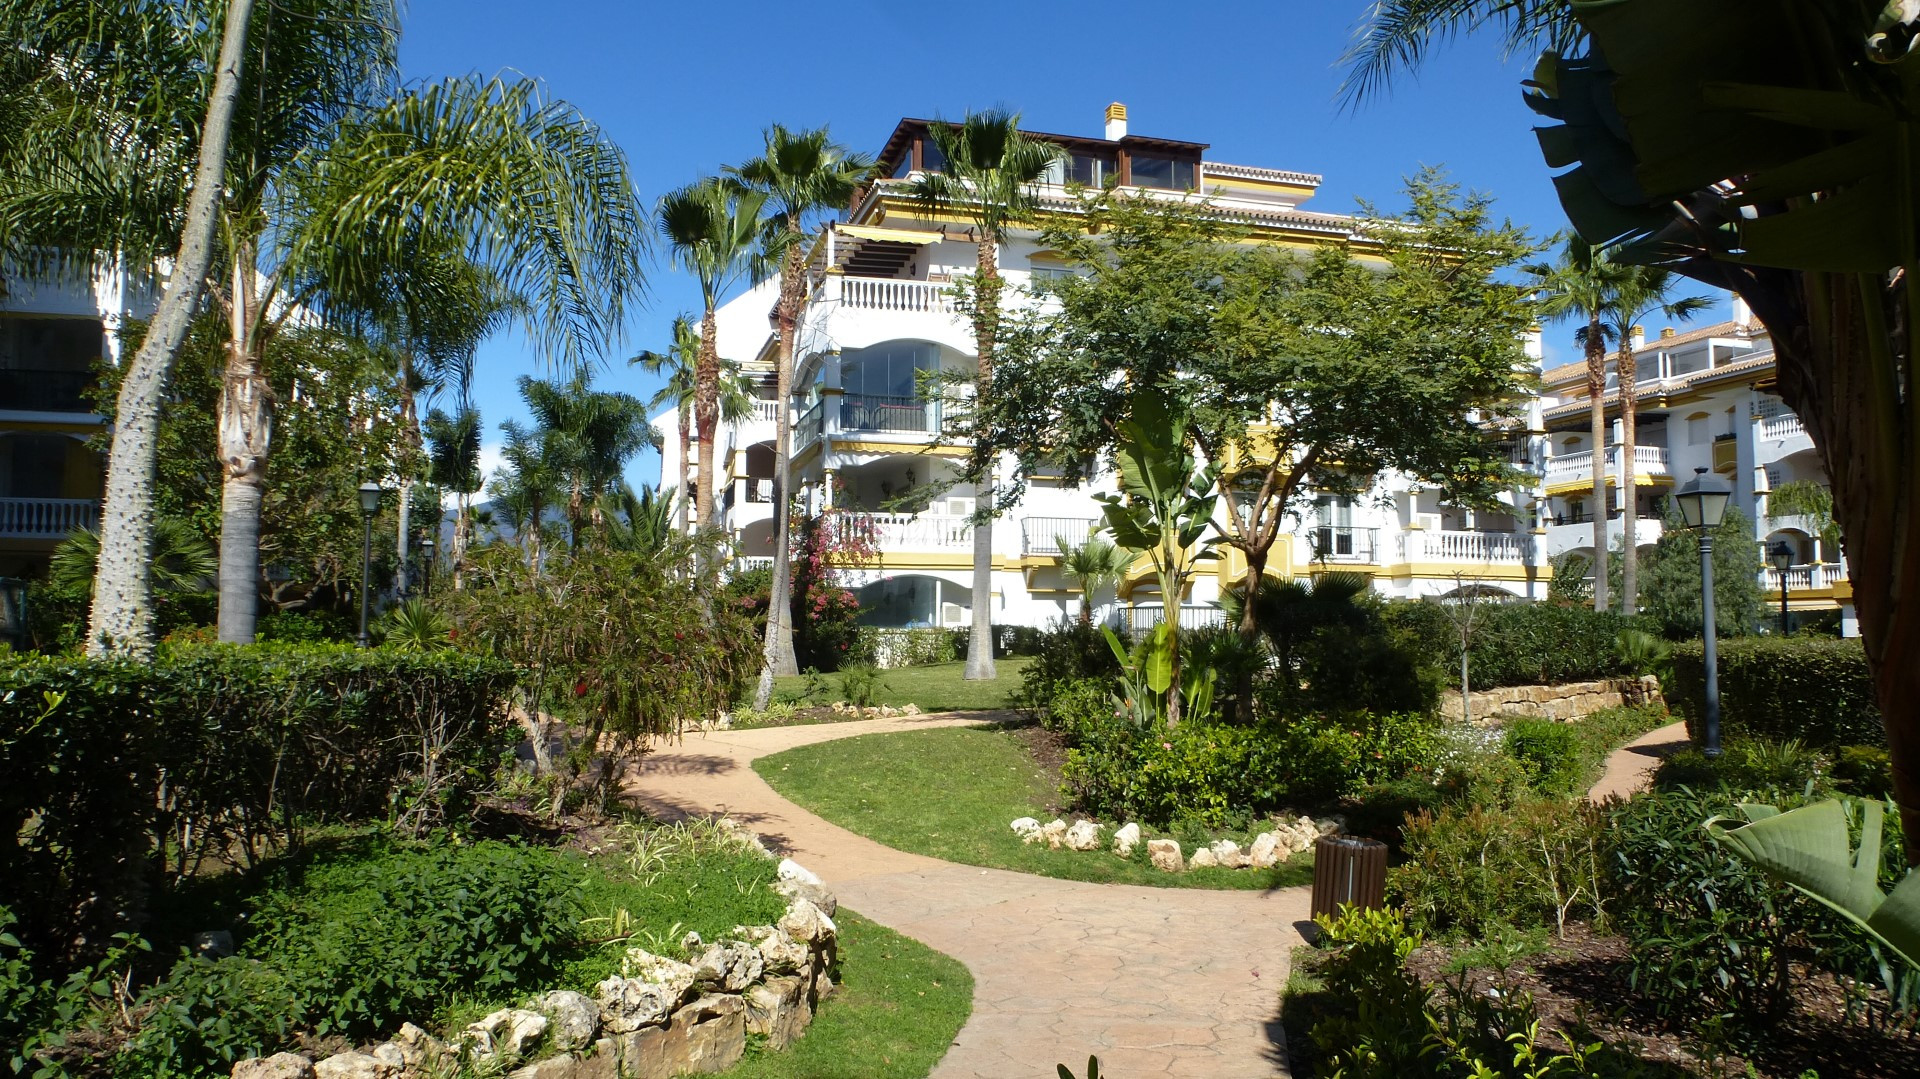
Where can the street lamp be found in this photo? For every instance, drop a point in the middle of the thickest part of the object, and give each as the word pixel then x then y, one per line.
pixel 1703 502
pixel 369 505
pixel 1781 556
pixel 426 573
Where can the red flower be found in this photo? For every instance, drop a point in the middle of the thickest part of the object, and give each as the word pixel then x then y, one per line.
pixel 580 688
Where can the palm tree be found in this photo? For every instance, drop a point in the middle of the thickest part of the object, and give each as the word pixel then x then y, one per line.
pixel 1096 564
pixel 717 232
pixel 1584 283
pixel 589 435
pixel 1641 291
pixel 337 186
pixel 526 486
pixel 1396 34
pixel 183 561
pixel 453 464
pixel 991 179
pixel 677 363
pixel 640 523
pixel 802 174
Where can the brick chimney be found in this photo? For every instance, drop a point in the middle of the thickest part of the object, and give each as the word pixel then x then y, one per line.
pixel 1116 122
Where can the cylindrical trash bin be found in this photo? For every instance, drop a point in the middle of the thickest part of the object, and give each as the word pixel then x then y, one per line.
pixel 1348 870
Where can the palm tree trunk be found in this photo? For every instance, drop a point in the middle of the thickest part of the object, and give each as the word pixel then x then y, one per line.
pixel 404 520
pixel 986 325
pixel 1597 394
pixel 778 658
pixel 462 522
pixel 246 433
pixel 1627 366
pixel 706 415
pixel 686 464
pixel 121 620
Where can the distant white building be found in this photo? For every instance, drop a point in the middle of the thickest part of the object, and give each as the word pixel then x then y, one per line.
pixel 864 439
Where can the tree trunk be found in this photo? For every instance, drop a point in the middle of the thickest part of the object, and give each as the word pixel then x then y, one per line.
pixel 410 427
pixel 1250 627
pixel 1845 357
pixel 246 437
pixel 706 416
pixel 121 621
pixel 462 523
pixel 686 463
pixel 1171 587
pixel 402 580
pixel 777 657
pixel 986 328
pixel 1628 368
pixel 1597 393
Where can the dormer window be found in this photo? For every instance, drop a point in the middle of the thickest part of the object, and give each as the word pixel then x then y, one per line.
pixel 1163 172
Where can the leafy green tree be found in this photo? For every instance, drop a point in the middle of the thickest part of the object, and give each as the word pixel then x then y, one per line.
pixel 1296 372
pixel 1672 587
pixel 719 234
pixel 991 180
pixel 1097 565
pixel 803 174
pixel 1809 108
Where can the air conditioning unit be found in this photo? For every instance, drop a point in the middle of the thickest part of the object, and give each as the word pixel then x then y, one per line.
pixel 959 507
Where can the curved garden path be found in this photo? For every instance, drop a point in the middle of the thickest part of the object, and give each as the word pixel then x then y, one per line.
pixel 1155 981
pixel 1630 768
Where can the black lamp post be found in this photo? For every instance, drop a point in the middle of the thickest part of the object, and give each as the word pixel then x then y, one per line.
pixel 369 505
pixel 426 571
pixel 1781 556
pixel 1703 503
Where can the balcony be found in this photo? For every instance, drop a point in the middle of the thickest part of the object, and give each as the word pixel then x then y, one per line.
pixel 27 389
pixel 1055 535
pixel 907 532
pixel 870 413
pixel 1647 461
pixel 1467 547
pixel 1785 425
pixel 1342 543
pixel 766 411
pixel 1142 617
pixel 811 426
pixel 46 518
pixel 885 294
pixel 1812 577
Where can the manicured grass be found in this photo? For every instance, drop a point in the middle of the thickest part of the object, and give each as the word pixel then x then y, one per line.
pixel 899 1006
pixel 950 793
pixel 935 688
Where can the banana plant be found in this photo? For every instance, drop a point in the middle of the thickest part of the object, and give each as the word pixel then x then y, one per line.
pixel 1146 672
pixel 1164 510
pixel 1811 849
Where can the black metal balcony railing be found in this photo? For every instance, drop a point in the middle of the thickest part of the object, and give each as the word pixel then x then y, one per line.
pixel 1044 535
pixel 29 389
pixel 1342 543
pixel 872 412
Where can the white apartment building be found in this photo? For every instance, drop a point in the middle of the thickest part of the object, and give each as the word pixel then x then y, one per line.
pixel 865 440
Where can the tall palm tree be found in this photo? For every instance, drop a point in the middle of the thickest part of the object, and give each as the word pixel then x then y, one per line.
pixel 717 232
pixel 590 436
pixel 802 174
pixel 1395 35
pixel 1097 565
pixel 991 179
pixel 1641 292
pixel 334 182
pixel 453 464
pixel 677 363
pixel 525 486
pixel 1583 283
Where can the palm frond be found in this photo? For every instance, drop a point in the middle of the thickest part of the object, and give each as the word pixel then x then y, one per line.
pixel 1395 36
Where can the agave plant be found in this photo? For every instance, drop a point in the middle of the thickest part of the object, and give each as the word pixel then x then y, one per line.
pixel 413 626
pixel 1811 849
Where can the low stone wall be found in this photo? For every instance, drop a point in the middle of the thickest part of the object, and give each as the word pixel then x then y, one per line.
pixel 657 1019
pixel 1571 700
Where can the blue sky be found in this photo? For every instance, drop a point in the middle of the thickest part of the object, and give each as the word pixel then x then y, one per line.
pixel 686 88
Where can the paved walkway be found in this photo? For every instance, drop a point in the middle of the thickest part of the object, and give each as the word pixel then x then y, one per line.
pixel 1155 981
pixel 1630 768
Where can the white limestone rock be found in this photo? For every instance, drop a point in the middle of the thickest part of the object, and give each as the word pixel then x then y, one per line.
pixel 731 965
pixel 1265 851
pixel 1127 838
pixel 1084 835
pixel 649 989
pixel 1203 858
pixel 1228 854
pixel 352 1066
pixel 792 870
pixel 506 1033
pixel 574 1019
pixel 781 953
pixel 277 1066
pixel 1055 833
pixel 807 923
pixel 1165 855
pixel 1027 829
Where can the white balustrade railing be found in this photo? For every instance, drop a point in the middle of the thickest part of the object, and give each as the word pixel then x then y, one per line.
pixel 1806 578
pixel 1782 426
pixel 908 532
pixel 1449 546
pixel 46 518
pixel 1650 459
pixel 1577 463
pixel 1647 460
pixel 1144 616
pixel 766 411
pixel 884 294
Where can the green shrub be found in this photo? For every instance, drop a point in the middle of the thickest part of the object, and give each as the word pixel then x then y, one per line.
pixel 208 1013
pixel 919 647
pixel 1813 689
pixel 145 769
pixel 1469 869
pixel 1747 764
pixel 1550 750
pixel 859 682
pixel 1379 1026
pixel 1866 771
pixel 366 942
pixel 304 627
pixel 1070 651
pixel 1518 644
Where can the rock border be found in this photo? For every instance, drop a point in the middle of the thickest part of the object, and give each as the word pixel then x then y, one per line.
pixel 1289 837
pixel 658 1018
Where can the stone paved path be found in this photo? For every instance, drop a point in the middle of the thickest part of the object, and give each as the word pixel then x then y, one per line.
pixel 1155 981
pixel 1630 768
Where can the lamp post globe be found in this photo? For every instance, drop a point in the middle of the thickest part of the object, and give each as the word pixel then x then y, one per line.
pixel 1703 505
pixel 1781 556
pixel 369 505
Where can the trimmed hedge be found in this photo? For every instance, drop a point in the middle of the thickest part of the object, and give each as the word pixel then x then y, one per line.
pixel 1813 689
pixel 119 774
pixel 1519 644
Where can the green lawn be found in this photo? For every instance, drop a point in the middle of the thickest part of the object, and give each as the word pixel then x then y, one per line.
pixel 935 688
pixel 950 793
pixel 900 1004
